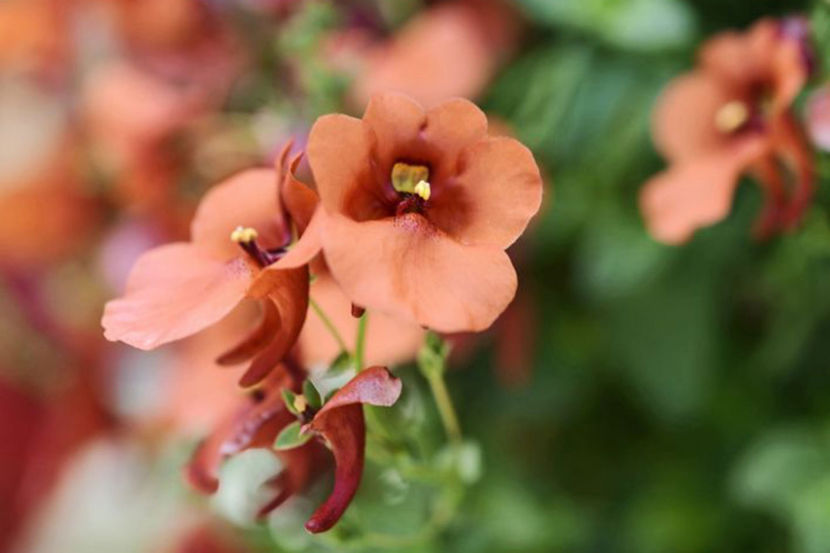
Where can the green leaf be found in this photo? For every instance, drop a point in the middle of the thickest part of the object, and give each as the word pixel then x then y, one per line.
pixel 291 437
pixel 341 363
pixel 312 395
pixel 288 397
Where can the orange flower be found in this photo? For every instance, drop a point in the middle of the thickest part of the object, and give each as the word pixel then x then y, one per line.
pixel 161 23
pixel 390 342
pixel 45 214
pixel 179 289
pixel 450 50
pixel 728 117
pixel 34 36
pixel 417 208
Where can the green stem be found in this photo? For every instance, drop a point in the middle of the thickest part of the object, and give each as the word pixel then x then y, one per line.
pixel 328 324
pixel 445 407
pixel 360 342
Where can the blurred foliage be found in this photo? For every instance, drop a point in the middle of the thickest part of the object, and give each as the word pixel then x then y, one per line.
pixel 663 375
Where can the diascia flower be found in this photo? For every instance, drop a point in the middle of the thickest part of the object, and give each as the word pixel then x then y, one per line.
pixel 450 49
pixel 176 290
pixel 417 208
pixel 729 117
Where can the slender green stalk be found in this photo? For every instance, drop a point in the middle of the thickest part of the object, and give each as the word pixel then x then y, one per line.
pixel 445 406
pixel 360 342
pixel 328 324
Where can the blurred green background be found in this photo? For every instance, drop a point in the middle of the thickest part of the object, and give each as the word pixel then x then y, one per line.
pixel 679 399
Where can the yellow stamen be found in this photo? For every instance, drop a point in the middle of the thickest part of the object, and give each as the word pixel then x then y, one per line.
pixel 405 177
pixel 300 403
pixel 731 116
pixel 244 235
pixel 423 190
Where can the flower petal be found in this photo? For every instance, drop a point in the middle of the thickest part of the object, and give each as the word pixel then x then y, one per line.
pixel 248 199
pixel 683 124
pixel 690 195
pixel 407 268
pixel 288 291
pixel 341 423
pixel 339 149
pixel 345 432
pixel 303 250
pixel 492 199
pixel 743 58
pixel 256 340
pixel 300 201
pixel 372 386
pixel 449 50
pixel 172 292
pixel 404 131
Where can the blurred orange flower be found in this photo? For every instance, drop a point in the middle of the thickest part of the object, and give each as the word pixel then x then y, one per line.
pixel 45 215
pixel 449 50
pixel 179 289
pixel 34 37
pixel 728 117
pixel 161 23
pixel 417 209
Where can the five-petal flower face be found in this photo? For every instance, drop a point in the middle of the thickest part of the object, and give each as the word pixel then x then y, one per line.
pixel 729 116
pixel 418 208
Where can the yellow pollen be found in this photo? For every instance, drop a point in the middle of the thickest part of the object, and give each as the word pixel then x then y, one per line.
pixel 405 177
pixel 244 235
pixel 731 116
pixel 423 190
pixel 300 403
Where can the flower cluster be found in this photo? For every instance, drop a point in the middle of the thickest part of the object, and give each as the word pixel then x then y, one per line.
pixel 408 218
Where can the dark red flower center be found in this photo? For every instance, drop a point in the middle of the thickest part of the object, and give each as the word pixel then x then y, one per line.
pixel 411 182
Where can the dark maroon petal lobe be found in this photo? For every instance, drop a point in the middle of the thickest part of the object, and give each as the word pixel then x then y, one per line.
pixel 283 487
pixel 373 386
pixel 345 431
pixel 341 423
pixel 256 423
pixel 256 340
